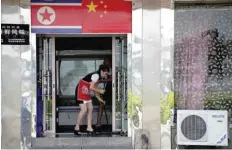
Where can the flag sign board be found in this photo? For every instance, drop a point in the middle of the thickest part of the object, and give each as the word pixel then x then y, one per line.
pixel 81 16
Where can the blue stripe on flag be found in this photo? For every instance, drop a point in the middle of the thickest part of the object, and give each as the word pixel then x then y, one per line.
pixel 55 30
pixel 56 1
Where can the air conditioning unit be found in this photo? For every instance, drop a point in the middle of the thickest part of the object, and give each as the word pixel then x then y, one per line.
pixel 202 127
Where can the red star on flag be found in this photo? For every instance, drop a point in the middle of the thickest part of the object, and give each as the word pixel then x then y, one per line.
pixel 46 15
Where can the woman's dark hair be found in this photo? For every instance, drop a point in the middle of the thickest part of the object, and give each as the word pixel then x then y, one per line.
pixel 109 59
pixel 104 68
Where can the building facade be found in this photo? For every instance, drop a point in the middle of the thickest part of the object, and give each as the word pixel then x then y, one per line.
pixel 166 69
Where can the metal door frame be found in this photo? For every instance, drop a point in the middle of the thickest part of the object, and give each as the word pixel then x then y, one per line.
pixel 113 83
pixel 54 75
pixel 114 44
pixel 44 69
pixel 52 132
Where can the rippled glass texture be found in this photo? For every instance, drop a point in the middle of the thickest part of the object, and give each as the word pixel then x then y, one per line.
pixel 203 57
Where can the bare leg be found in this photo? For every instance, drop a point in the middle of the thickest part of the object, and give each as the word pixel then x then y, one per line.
pixel 89 116
pixel 80 116
pixel 100 111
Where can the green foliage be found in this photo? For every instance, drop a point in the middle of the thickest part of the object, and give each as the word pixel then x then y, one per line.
pixel 133 101
pixel 166 104
pixel 49 107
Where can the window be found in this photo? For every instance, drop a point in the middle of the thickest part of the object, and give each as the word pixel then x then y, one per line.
pixel 71 71
pixel 202 57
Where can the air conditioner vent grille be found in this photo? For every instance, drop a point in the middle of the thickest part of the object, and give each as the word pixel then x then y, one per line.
pixel 193 127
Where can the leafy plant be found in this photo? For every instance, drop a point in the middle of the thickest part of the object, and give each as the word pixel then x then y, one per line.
pixel 133 101
pixel 49 107
pixel 166 104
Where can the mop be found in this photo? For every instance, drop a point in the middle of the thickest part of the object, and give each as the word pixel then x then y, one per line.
pixel 99 97
pixel 101 100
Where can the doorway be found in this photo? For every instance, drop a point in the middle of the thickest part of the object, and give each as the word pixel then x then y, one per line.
pixel 76 58
pixel 61 62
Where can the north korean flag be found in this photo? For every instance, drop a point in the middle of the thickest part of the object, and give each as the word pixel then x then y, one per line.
pixel 81 16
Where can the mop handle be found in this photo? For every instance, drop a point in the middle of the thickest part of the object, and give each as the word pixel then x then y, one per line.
pixel 99 96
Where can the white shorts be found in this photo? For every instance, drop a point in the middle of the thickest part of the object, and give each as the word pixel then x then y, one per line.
pixel 86 102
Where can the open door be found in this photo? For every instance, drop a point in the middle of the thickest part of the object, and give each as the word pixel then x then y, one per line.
pixel 119 75
pixel 48 86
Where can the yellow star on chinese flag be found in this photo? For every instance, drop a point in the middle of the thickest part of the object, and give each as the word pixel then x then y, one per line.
pixel 92 7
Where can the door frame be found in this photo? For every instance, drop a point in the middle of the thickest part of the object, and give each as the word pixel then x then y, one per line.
pixel 52 132
pixel 54 84
pixel 113 83
pixel 114 45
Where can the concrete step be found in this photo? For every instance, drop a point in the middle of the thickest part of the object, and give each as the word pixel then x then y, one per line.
pixel 82 143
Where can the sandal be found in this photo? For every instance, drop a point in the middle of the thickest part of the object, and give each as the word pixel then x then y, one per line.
pixel 76 132
pixel 90 132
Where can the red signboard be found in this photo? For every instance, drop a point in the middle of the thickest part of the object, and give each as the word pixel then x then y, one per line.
pixel 82 16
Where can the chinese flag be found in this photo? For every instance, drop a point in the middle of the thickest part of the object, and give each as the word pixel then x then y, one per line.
pixel 107 16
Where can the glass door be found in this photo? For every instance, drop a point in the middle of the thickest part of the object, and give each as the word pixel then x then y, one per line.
pixel 119 75
pixel 48 86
